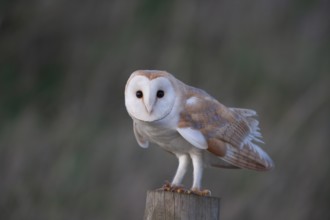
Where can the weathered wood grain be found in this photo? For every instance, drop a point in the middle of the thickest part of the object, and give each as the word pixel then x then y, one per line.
pixel 162 205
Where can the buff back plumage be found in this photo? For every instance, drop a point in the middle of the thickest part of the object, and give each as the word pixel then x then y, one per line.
pixel 230 133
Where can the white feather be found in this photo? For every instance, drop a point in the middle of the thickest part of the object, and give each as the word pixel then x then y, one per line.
pixel 142 141
pixel 194 137
pixel 245 112
pixel 255 135
pixel 192 101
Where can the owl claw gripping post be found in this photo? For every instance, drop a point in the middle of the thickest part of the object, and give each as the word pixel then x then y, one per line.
pixel 192 125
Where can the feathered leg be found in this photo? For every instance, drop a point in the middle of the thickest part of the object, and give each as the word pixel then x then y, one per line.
pixel 176 186
pixel 197 162
pixel 182 169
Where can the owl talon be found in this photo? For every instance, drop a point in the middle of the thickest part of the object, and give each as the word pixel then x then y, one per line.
pixel 178 189
pixel 172 188
pixel 203 192
pixel 165 187
pixel 181 190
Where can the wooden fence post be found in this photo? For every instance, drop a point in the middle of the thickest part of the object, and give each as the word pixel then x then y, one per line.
pixel 162 205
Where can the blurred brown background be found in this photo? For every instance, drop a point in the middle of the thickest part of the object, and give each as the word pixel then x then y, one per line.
pixel 67 149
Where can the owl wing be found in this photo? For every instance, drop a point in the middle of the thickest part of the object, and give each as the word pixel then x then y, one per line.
pixel 230 133
pixel 140 138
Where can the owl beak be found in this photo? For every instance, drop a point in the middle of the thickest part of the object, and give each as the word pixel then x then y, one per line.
pixel 149 104
pixel 149 100
pixel 149 107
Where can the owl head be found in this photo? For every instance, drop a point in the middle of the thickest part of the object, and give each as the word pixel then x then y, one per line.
pixel 150 95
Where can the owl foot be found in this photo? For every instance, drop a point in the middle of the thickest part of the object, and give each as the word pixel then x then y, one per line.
pixel 166 187
pixel 172 188
pixel 203 192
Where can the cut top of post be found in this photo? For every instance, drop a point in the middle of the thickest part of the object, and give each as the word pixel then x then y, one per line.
pixel 162 205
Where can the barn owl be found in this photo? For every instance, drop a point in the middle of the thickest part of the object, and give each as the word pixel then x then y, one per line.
pixel 192 125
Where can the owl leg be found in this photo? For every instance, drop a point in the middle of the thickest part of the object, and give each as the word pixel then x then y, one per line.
pixel 198 172
pixel 182 169
pixel 175 186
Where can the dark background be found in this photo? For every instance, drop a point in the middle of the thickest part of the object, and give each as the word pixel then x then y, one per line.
pixel 67 149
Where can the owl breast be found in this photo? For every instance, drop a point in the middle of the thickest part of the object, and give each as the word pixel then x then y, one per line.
pixel 167 138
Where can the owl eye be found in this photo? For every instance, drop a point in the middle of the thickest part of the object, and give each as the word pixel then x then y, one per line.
pixel 139 94
pixel 160 94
